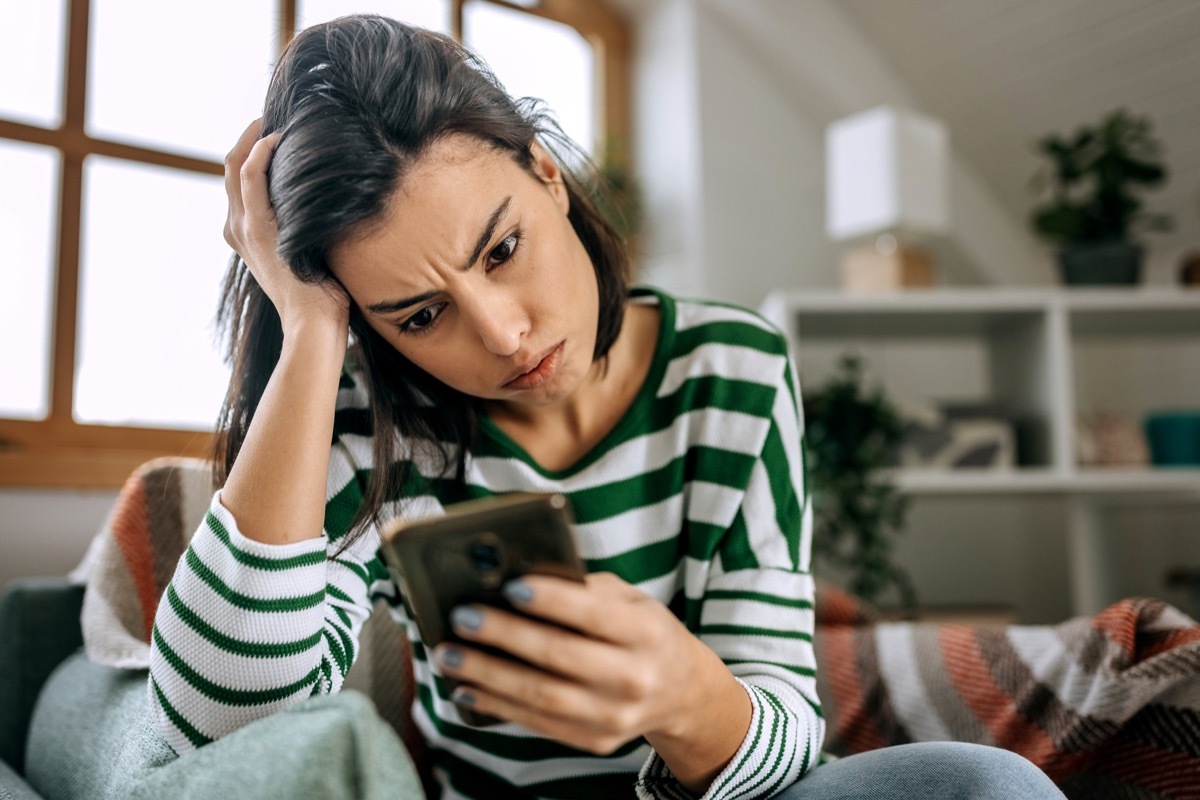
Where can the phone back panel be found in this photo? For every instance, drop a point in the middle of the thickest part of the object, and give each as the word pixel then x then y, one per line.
pixel 467 555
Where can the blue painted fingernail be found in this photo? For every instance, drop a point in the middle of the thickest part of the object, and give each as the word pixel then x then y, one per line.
pixel 450 657
pixel 466 618
pixel 518 592
pixel 463 698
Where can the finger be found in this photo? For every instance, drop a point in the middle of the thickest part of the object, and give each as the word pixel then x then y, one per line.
pixel 255 196
pixel 233 164
pixel 520 683
pixel 557 708
pixel 603 607
pixel 601 666
pixel 245 141
pixel 601 739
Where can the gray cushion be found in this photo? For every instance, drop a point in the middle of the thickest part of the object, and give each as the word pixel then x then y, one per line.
pixel 13 787
pixel 92 736
pixel 39 627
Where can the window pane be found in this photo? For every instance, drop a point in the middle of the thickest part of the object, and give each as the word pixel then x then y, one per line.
pixel 535 57
pixel 31 46
pixel 28 198
pixel 183 77
pixel 151 266
pixel 432 14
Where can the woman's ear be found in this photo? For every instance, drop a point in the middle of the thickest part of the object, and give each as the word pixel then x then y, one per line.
pixel 550 174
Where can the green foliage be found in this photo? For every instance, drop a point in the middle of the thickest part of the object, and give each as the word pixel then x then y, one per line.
pixel 1093 178
pixel 851 433
pixel 620 200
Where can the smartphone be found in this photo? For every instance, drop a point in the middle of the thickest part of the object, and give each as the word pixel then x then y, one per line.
pixel 469 553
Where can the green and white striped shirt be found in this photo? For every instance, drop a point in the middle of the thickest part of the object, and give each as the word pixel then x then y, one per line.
pixel 696 497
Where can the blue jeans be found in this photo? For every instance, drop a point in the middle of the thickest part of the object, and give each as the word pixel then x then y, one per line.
pixel 926 771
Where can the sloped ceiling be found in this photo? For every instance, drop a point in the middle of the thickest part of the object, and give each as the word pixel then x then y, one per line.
pixel 1002 73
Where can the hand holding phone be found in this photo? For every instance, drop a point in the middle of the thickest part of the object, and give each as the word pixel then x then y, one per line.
pixel 467 555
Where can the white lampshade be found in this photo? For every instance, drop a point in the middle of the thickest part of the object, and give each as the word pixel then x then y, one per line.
pixel 886 170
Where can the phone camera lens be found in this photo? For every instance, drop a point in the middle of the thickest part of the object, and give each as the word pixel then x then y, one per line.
pixel 484 557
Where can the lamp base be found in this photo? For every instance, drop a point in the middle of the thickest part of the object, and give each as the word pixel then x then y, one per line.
pixel 867 269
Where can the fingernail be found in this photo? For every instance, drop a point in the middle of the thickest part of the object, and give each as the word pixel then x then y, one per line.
pixel 467 618
pixel 462 698
pixel 450 657
pixel 518 592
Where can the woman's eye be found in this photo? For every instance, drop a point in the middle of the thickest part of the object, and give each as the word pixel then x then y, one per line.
pixel 423 320
pixel 506 249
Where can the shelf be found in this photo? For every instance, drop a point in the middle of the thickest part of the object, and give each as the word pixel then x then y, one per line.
pixel 973 311
pixel 937 313
pixel 1044 354
pixel 1122 483
pixel 913 300
pixel 1149 311
pixel 986 298
pixel 1146 298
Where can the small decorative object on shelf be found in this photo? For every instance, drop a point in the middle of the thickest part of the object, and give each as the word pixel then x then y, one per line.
pixel 887 266
pixel 886 189
pixel 1174 438
pixel 955 436
pixel 851 434
pixel 1189 270
pixel 1094 211
pixel 1107 439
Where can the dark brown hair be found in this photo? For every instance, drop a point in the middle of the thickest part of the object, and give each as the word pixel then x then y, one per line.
pixel 358 101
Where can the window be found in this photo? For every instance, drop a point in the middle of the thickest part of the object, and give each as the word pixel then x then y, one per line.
pixel 112 204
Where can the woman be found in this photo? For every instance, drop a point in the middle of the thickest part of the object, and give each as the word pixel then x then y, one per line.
pixel 394 191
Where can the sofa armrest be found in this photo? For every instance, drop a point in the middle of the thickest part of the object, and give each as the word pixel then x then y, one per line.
pixel 14 787
pixel 39 628
pixel 92 735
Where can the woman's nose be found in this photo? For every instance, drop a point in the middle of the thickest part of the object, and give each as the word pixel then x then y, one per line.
pixel 500 325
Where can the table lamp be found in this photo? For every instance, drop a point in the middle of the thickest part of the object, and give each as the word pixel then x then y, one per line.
pixel 886 190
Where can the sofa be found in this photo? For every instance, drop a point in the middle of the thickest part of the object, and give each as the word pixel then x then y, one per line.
pixel 70 728
pixel 1108 706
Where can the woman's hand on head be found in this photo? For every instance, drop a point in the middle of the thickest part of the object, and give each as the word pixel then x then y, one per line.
pixel 250 229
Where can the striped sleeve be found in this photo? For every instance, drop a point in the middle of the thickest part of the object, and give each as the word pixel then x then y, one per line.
pixel 246 629
pixel 757 615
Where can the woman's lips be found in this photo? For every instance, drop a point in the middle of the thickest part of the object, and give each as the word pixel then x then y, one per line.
pixel 541 374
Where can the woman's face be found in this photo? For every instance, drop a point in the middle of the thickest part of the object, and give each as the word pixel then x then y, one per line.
pixel 476 276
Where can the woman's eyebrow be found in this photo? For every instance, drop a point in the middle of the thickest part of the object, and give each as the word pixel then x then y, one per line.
pixel 488 230
pixel 392 306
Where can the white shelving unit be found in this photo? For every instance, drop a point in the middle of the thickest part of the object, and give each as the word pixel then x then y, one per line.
pixel 1042 355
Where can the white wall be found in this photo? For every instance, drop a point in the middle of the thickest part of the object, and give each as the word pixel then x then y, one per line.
pixel 666 91
pixel 46 532
pixel 762 169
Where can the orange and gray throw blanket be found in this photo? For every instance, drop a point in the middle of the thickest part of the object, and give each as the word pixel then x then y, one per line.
pixel 1108 706
pixel 132 558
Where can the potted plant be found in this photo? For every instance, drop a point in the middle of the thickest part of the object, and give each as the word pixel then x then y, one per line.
pixel 1094 211
pixel 851 434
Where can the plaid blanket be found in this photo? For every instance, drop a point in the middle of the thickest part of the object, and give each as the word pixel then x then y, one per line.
pixel 1108 706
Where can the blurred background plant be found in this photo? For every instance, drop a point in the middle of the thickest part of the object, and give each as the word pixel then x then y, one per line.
pixel 851 435
pixel 1094 177
pixel 620 201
